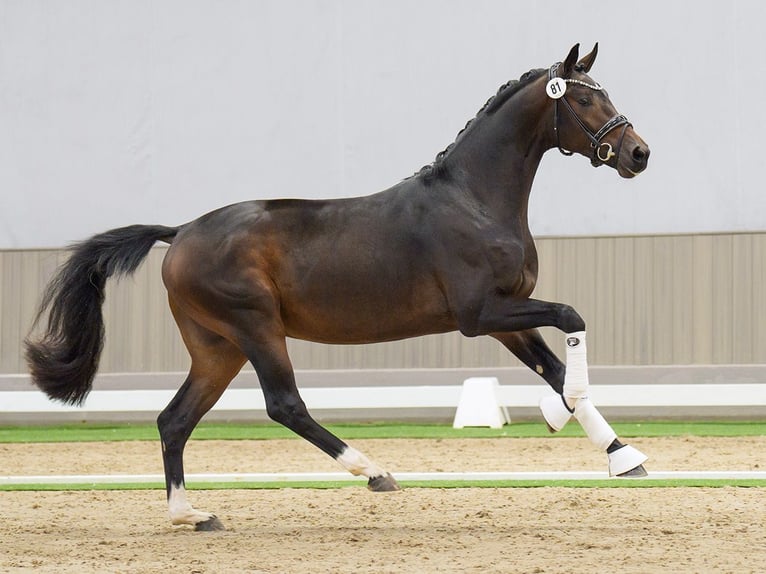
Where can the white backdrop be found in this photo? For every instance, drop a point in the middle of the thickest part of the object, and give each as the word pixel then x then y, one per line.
pixel 147 111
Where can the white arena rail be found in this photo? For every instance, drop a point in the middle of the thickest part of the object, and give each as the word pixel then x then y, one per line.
pixel 724 395
pixel 728 390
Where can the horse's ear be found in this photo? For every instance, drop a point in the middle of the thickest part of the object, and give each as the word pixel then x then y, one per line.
pixel 567 67
pixel 586 63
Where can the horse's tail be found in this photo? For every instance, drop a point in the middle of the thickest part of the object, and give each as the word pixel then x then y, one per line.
pixel 64 360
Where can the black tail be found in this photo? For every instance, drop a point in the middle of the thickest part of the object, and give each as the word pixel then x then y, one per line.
pixel 64 360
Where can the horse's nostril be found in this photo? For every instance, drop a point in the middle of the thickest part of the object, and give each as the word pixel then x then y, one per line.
pixel 639 153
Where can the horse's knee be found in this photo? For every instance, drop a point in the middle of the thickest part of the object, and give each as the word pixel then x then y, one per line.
pixel 570 320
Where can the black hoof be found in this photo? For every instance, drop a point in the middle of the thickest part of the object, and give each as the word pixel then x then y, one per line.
pixel 637 472
pixel 383 483
pixel 210 525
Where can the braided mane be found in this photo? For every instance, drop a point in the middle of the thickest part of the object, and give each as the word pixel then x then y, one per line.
pixel 504 93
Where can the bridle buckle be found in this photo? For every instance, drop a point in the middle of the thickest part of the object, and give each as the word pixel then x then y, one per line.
pixel 609 154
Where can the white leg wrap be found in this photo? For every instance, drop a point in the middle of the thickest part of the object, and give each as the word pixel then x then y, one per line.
pixel 555 412
pixel 595 426
pixel 625 459
pixel 576 375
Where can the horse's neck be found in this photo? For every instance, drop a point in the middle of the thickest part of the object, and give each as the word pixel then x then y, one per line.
pixel 498 159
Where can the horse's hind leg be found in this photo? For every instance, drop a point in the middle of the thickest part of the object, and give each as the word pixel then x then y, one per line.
pixel 268 354
pixel 215 362
pixel 534 352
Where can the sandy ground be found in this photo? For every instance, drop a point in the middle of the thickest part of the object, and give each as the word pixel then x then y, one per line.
pixel 295 455
pixel 416 530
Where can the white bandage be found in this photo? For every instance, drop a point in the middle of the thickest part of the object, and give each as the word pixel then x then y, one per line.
pixel 624 459
pixel 555 412
pixel 576 374
pixel 595 426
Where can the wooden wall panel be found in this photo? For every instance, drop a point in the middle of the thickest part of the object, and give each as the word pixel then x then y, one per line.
pixel 647 300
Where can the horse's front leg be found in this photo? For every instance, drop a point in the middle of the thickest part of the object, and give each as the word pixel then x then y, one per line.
pixel 532 350
pixel 524 316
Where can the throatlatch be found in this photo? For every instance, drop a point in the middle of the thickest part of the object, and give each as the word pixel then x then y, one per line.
pixel 558 409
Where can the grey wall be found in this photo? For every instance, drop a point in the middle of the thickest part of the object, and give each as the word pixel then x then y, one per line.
pixel 135 111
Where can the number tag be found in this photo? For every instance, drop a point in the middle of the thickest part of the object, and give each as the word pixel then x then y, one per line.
pixel 556 88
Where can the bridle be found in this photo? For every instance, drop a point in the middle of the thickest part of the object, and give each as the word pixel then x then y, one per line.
pixel 602 152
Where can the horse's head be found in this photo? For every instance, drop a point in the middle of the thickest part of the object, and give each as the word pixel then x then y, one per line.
pixel 586 122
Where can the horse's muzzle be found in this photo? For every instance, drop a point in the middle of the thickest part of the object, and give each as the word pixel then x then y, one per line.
pixel 634 157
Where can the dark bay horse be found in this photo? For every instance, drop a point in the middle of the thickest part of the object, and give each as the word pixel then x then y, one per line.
pixel 446 249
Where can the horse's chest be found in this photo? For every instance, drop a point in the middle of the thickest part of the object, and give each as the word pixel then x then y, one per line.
pixel 512 265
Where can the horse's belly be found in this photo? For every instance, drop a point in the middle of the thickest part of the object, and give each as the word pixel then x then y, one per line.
pixel 358 318
pixel 346 334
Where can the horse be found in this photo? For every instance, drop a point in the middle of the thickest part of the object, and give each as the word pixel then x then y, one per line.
pixel 446 249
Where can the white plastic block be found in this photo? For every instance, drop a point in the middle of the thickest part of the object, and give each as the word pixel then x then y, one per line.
pixel 479 405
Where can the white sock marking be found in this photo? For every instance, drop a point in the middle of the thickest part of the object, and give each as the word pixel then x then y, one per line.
pixel 180 511
pixel 356 463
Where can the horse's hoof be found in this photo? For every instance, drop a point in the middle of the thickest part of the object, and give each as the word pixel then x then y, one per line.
pixel 210 525
pixel 637 472
pixel 383 483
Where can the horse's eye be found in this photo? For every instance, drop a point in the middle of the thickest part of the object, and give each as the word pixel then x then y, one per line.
pixel 584 101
